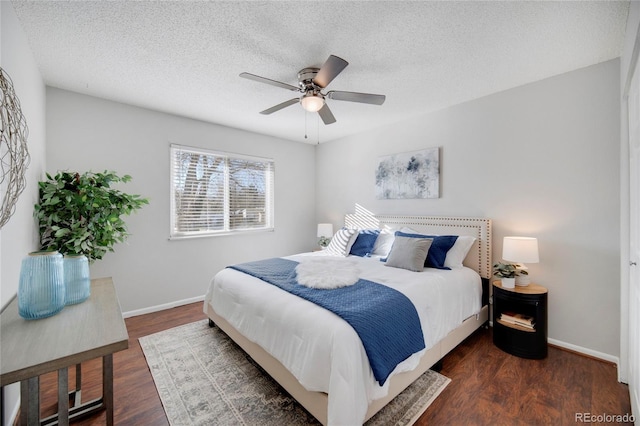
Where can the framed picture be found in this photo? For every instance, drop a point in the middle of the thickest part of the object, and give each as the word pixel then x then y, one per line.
pixel 409 175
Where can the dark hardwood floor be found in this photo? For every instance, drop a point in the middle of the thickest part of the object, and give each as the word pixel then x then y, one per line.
pixel 488 386
pixel 491 387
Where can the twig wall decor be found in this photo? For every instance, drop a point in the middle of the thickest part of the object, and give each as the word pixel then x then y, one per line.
pixel 14 156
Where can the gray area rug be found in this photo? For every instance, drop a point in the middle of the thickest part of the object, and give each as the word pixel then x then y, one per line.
pixel 204 378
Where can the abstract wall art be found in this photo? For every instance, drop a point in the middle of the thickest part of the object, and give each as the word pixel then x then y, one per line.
pixel 409 175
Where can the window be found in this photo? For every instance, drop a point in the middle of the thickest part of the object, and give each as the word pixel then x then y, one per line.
pixel 215 193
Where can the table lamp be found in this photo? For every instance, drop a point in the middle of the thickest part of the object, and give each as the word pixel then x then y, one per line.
pixel 325 232
pixel 520 250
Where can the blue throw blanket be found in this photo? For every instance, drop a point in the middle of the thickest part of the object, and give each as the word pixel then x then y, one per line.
pixel 385 319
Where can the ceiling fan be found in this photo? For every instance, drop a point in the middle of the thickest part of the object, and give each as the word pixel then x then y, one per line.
pixel 311 81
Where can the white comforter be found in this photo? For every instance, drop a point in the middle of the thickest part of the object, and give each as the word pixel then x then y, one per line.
pixel 323 351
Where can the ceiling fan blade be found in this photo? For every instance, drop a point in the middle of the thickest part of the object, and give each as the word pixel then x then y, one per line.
pixel 330 69
pixel 326 115
pixel 365 98
pixel 280 106
pixel 269 81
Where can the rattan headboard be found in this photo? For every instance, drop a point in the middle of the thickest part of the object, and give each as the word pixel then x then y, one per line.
pixel 479 256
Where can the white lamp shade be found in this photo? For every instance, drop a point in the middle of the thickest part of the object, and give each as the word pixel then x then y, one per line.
pixel 325 230
pixel 520 249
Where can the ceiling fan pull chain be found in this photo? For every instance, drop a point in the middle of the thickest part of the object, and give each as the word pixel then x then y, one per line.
pixel 305 124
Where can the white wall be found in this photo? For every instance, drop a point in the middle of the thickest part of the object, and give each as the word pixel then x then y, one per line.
pixel 19 236
pixel 86 133
pixel 540 160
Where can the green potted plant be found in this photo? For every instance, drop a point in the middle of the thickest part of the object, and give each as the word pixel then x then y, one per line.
pixel 507 272
pixel 80 216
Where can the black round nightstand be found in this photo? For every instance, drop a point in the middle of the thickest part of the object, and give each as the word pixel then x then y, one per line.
pixel 520 320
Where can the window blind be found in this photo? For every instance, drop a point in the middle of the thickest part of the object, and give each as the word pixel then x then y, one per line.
pixel 214 193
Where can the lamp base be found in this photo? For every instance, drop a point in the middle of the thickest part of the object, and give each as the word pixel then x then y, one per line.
pixel 523 280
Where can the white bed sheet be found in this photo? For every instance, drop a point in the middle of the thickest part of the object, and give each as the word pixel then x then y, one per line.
pixel 323 351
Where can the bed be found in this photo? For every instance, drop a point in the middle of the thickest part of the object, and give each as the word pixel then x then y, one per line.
pixel 318 357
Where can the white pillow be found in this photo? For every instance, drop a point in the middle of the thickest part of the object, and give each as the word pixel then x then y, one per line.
pixel 457 253
pixel 342 241
pixel 383 243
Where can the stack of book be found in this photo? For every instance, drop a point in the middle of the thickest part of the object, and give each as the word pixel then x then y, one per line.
pixel 518 319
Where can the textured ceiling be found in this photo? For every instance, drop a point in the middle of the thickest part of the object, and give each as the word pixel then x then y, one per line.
pixel 184 57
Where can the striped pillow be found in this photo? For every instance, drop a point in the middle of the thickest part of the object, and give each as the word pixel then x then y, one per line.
pixel 342 241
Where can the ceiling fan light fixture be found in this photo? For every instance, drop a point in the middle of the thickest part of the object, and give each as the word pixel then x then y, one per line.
pixel 311 82
pixel 312 102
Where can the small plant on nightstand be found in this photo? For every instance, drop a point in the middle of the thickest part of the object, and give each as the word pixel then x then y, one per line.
pixel 324 242
pixel 507 272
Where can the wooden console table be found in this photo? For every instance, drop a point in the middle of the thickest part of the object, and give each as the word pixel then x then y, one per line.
pixel 91 329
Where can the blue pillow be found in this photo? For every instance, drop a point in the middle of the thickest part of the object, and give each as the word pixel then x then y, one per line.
pixel 363 246
pixel 438 250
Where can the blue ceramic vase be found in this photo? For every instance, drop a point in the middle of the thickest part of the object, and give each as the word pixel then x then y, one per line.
pixel 76 279
pixel 41 291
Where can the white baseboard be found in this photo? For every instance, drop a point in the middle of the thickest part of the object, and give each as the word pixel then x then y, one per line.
pixel 595 354
pixel 162 307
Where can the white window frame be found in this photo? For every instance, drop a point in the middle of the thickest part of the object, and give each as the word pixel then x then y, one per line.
pixel 226 230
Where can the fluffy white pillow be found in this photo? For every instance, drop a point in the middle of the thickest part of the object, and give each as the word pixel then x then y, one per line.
pixel 327 272
pixel 457 253
pixel 342 241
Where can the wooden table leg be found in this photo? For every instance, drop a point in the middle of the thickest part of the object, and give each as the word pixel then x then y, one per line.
pixel 77 395
pixel 30 401
pixel 63 397
pixel 107 386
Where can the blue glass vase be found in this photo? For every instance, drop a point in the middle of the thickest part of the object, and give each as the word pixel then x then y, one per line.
pixel 41 291
pixel 76 279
